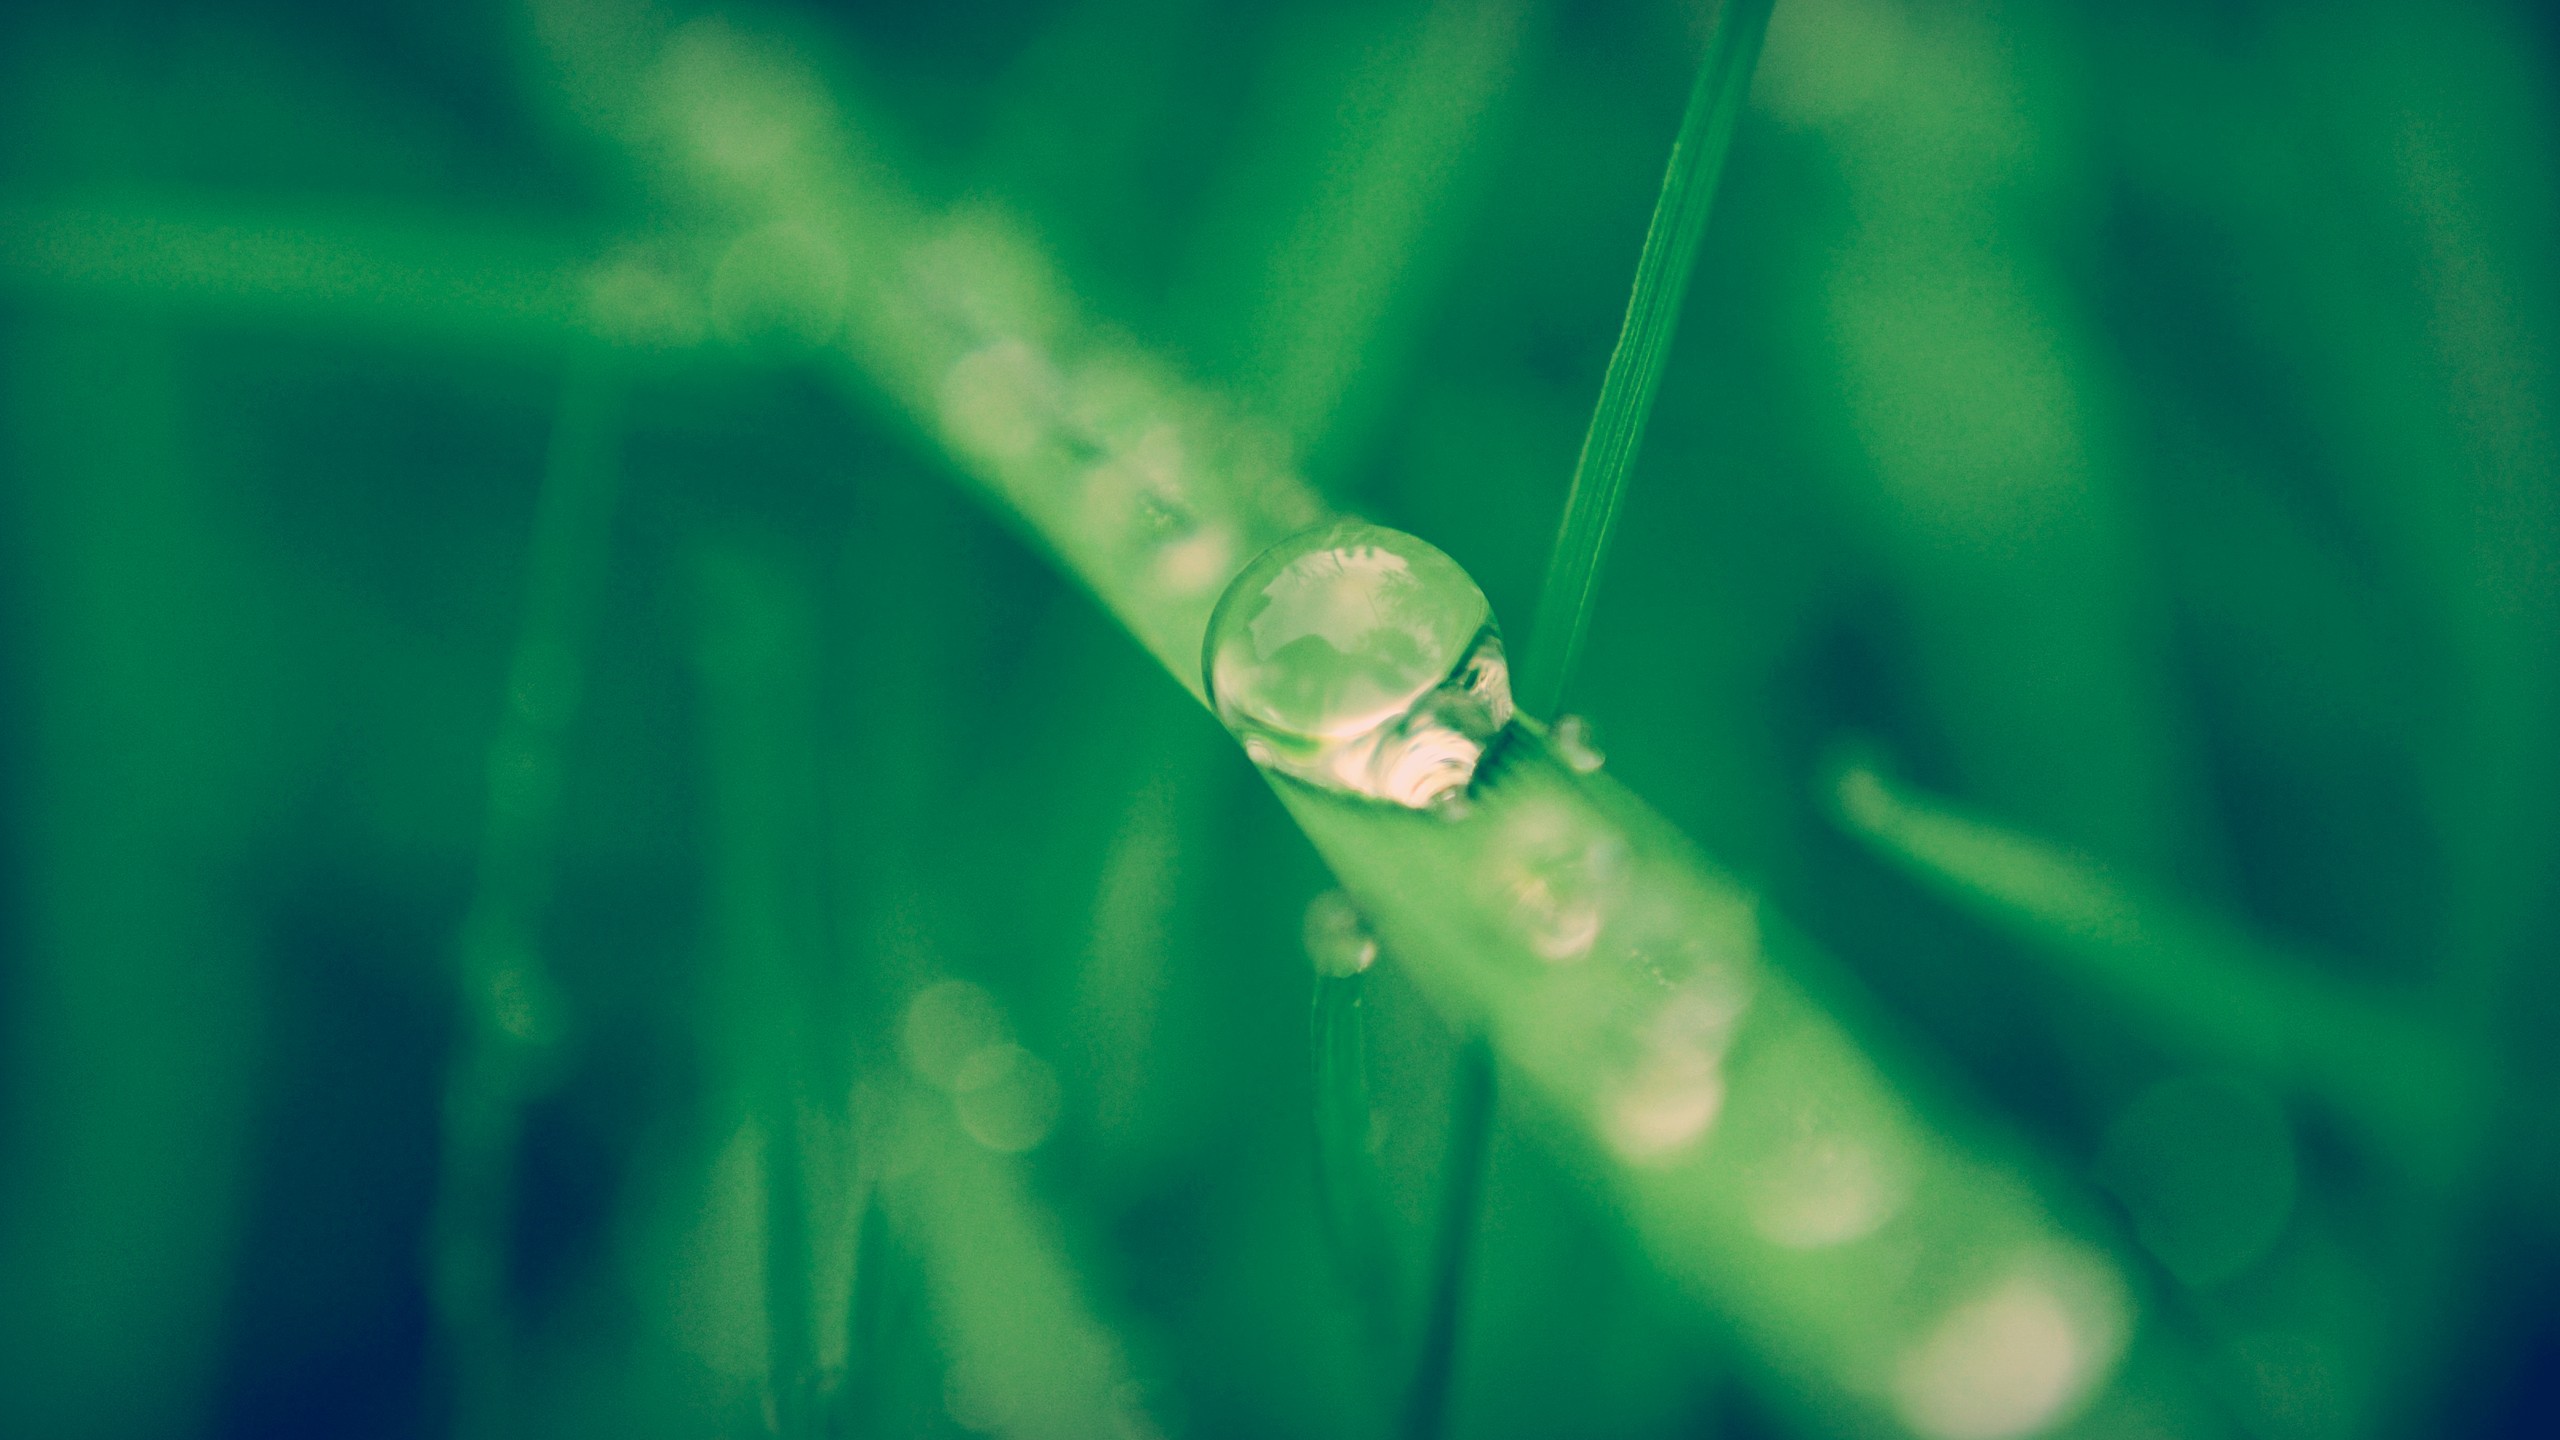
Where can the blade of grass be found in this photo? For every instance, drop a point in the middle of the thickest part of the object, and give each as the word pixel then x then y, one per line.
pixel 758 664
pixel 492 282
pixel 508 1013
pixel 1608 457
pixel 1707 1092
pixel 1644 344
pixel 147 743
pixel 1030 1356
pixel 875 1310
pixel 1453 1241
pixel 1347 1180
pixel 1350 261
pixel 2199 980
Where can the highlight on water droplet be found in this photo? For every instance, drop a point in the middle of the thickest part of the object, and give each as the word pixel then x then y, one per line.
pixel 2018 1356
pixel 1360 660
pixel 1339 941
pixel 1571 738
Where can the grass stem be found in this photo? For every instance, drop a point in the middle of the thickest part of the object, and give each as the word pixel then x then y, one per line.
pixel 1644 344
pixel 1573 575
pixel 1461 1196
pixel 1346 1167
pixel 508 1013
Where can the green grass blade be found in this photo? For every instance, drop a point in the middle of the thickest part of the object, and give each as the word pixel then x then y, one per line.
pixel 1644 997
pixel 148 747
pixel 1426 1415
pixel 1644 344
pixel 758 666
pixel 874 1315
pixel 507 1005
pixel 1573 574
pixel 1030 1356
pixel 2199 981
pixel 1336 286
pixel 1347 1180
pixel 423 277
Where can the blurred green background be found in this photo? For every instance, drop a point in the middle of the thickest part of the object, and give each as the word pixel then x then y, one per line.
pixel 2135 424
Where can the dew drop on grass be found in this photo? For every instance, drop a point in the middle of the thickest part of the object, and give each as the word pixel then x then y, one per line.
pixel 1571 739
pixel 1339 942
pixel 1362 661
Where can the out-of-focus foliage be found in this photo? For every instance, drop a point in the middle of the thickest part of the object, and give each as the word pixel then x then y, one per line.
pixel 470 651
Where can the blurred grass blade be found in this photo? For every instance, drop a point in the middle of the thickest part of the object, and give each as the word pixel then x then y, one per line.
pixel 759 668
pixel 1029 1357
pixel 1573 574
pixel 1346 1166
pixel 1354 255
pixel 147 743
pixel 509 1017
pixel 876 1313
pixel 422 276
pixel 1644 344
pixel 1453 1241
pixel 2198 981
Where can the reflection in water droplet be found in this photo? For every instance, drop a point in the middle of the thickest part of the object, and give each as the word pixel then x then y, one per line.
pixel 1338 939
pixel 944 1026
pixel 1007 1098
pixel 1362 661
pixel 1570 737
pixel 2017 1357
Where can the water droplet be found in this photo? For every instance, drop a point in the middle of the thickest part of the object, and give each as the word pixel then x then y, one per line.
pixel 1338 939
pixel 1827 1187
pixel 1360 660
pixel 1676 1088
pixel 1561 876
pixel 1007 1098
pixel 945 1026
pixel 2016 1358
pixel 1570 738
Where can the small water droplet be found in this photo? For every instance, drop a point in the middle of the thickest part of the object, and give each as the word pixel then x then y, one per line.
pixel 1338 939
pixel 1007 1098
pixel 1571 739
pixel 1676 1088
pixel 1362 661
pixel 1562 879
pixel 947 1024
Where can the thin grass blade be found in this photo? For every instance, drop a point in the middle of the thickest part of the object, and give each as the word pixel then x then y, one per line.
pixel 2196 980
pixel 1347 1180
pixel 1453 1241
pixel 1644 343
pixel 507 998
